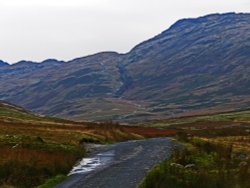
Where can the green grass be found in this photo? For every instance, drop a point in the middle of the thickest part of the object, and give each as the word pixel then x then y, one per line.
pixel 12 113
pixel 52 182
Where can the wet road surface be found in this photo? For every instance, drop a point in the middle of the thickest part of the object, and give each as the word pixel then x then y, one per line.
pixel 121 165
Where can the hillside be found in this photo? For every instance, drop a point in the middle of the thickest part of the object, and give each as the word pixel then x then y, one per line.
pixel 197 66
pixel 15 120
pixel 34 148
pixel 231 120
pixel 228 129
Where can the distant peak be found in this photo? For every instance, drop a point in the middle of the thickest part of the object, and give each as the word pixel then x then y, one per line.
pixel 24 62
pixel 3 63
pixel 52 61
pixel 103 53
pixel 203 18
pixel 98 55
pixel 182 24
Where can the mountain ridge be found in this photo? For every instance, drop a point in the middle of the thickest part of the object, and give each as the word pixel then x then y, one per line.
pixel 173 25
pixel 195 65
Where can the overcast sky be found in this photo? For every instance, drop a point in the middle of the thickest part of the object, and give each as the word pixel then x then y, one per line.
pixel 66 29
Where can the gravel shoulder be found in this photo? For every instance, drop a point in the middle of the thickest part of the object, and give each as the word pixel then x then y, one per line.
pixel 123 165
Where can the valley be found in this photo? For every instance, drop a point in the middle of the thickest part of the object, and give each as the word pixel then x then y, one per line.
pixel 35 148
pixel 174 110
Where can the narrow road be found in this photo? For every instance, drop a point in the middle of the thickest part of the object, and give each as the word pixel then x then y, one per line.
pixel 121 165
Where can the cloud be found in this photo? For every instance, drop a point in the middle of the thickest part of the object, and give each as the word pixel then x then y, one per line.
pixel 65 29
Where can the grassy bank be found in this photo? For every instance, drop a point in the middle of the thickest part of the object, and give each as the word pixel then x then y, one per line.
pixel 203 162
pixel 27 161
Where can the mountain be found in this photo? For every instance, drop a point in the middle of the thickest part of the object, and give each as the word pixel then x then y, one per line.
pixel 196 66
pixel 2 63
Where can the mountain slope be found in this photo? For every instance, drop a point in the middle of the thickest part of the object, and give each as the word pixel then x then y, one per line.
pixel 197 63
pixel 196 66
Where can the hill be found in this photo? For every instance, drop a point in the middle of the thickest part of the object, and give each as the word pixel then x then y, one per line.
pixel 227 119
pixel 197 66
pixel 34 148
pixel 15 120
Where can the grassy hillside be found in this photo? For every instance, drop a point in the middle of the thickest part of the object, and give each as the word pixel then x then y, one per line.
pixel 216 152
pixel 219 119
pixel 231 128
pixel 34 148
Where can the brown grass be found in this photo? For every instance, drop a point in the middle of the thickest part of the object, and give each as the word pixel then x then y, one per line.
pixel 150 132
pixel 22 167
pixel 32 151
pixel 39 157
